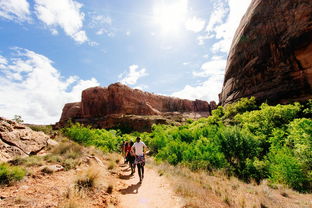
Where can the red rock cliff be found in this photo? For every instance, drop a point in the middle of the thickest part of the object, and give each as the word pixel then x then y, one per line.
pixel 106 107
pixel 271 53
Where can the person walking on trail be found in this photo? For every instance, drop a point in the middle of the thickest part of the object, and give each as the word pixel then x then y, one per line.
pixel 130 157
pixel 139 149
pixel 123 150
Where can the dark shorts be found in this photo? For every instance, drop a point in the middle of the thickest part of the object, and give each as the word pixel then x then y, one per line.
pixel 130 158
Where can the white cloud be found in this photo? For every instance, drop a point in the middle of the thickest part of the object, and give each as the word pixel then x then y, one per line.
pixel 16 10
pixel 62 13
pixel 132 75
pixel 93 43
pixel 195 24
pixel 33 88
pixel 3 61
pixel 141 87
pixel 217 16
pixel 207 90
pixel 101 23
pixel 224 30
pixel 100 20
pixel 103 31
pixel 213 67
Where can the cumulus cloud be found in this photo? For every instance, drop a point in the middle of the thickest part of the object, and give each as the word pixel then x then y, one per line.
pixel 102 24
pixel 223 23
pixel 16 10
pixel 65 14
pixel 100 20
pixel 132 75
pixel 213 67
pixel 207 90
pixel 195 24
pixel 33 88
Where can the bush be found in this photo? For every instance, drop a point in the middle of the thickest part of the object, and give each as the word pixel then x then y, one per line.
pixel 248 141
pixel 285 168
pixel 239 107
pixel 238 147
pixel 9 174
pixel 108 141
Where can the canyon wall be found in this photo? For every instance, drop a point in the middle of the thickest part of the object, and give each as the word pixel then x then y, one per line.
pixel 271 53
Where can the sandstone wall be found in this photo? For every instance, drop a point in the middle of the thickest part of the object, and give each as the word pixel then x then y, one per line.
pixel 105 107
pixel 271 53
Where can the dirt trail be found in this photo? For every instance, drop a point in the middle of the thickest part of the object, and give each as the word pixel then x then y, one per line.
pixel 154 191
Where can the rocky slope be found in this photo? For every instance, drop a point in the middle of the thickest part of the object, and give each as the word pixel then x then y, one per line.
pixel 271 53
pixel 17 140
pixel 120 106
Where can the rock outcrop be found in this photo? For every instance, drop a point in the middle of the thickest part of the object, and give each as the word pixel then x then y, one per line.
pixel 119 106
pixel 17 140
pixel 271 53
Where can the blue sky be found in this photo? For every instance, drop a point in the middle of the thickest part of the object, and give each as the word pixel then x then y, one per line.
pixel 50 50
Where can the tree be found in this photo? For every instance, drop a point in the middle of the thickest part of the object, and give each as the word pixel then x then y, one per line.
pixel 18 119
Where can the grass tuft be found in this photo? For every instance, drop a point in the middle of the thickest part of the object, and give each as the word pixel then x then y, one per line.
pixel 88 179
pixel 10 174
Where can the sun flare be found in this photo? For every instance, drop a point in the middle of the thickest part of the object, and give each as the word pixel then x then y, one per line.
pixel 170 16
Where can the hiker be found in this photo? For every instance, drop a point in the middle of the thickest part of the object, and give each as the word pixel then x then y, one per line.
pixel 123 148
pixel 130 157
pixel 126 144
pixel 139 149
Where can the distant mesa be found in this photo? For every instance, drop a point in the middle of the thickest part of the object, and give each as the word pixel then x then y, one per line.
pixel 271 53
pixel 119 106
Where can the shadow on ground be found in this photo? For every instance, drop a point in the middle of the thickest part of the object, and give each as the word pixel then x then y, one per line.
pixel 132 189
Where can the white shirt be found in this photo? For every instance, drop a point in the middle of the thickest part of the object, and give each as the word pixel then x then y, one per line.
pixel 138 148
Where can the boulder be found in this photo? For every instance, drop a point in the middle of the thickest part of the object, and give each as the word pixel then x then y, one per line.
pixel 17 140
pixel 119 105
pixel 271 53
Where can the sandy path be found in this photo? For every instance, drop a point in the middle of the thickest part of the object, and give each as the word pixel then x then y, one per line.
pixel 154 191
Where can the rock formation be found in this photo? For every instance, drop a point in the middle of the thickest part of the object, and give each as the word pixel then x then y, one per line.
pixel 271 53
pixel 119 106
pixel 17 140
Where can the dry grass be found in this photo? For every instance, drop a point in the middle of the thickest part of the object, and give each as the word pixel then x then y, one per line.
pixel 73 199
pixel 88 178
pixel 68 150
pixel 28 161
pixel 112 160
pixel 202 189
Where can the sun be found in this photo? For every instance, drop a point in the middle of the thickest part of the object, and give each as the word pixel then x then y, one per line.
pixel 170 15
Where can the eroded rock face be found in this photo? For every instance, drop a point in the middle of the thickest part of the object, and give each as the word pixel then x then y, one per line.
pixel 271 54
pixel 117 104
pixel 17 140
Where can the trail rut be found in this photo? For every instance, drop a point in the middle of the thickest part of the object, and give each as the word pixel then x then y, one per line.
pixel 153 192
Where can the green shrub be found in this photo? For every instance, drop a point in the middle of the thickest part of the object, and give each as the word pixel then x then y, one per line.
pixel 248 141
pixel 9 174
pixel 239 107
pixel 238 146
pixel 285 168
pixel 107 140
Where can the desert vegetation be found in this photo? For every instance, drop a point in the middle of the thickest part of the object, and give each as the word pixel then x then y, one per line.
pixel 10 174
pixel 252 142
